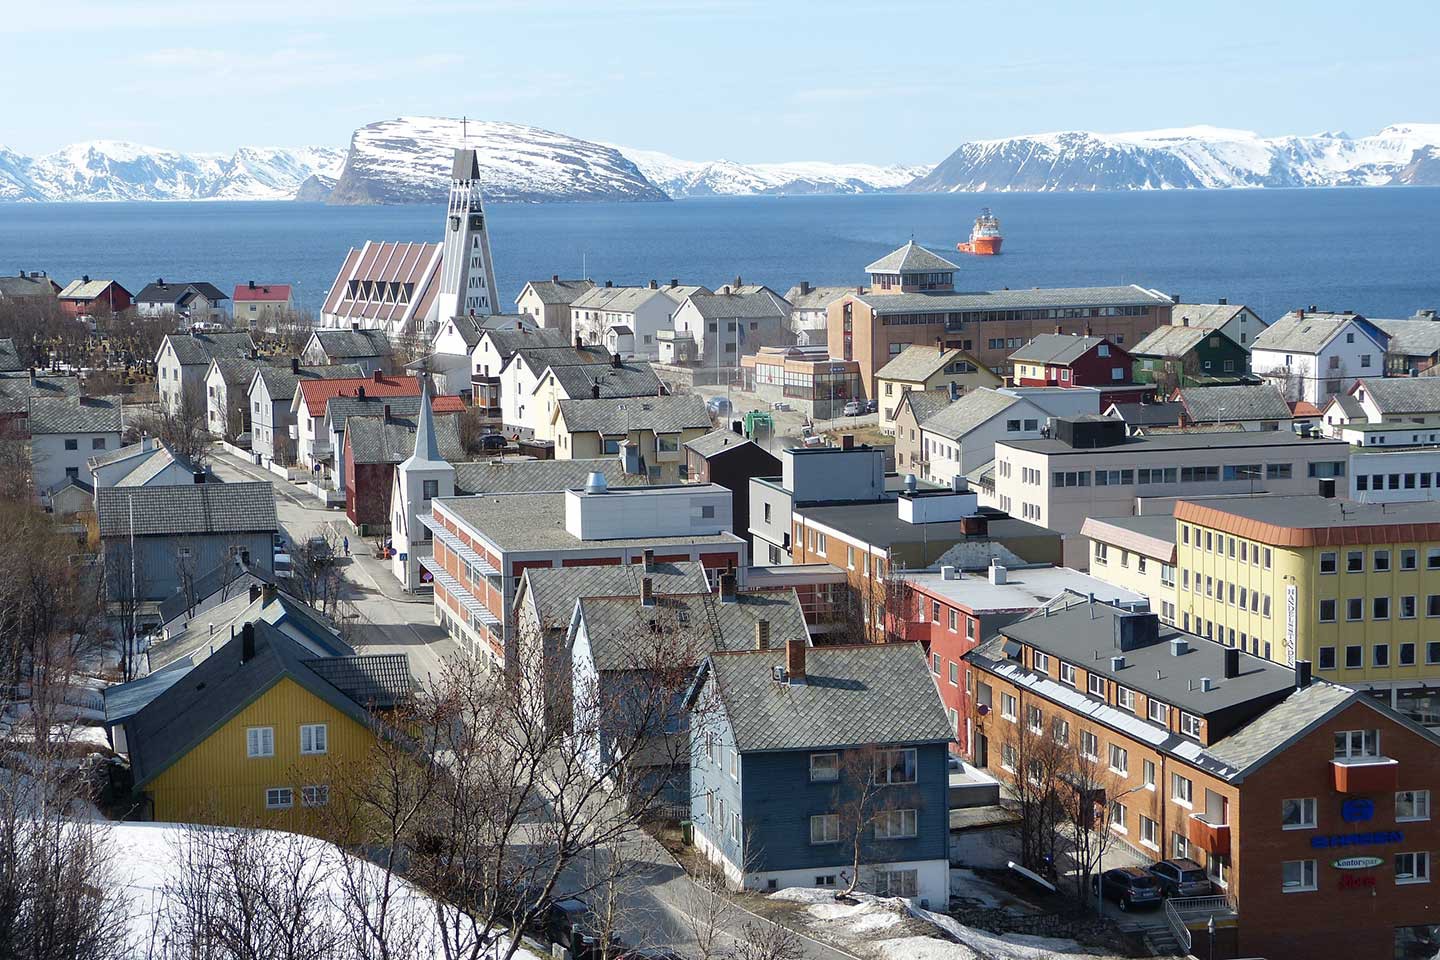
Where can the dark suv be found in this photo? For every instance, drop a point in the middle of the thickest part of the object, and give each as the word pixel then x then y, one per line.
pixel 1182 878
pixel 1130 887
pixel 572 925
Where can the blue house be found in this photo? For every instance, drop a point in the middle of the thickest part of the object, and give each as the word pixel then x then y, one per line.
pixel 788 747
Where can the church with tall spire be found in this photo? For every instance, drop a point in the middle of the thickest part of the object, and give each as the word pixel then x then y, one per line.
pixel 420 478
pixel 467 273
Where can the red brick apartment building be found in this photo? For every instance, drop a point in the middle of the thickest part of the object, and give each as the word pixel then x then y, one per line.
pixel 912 299
pixel 1308 803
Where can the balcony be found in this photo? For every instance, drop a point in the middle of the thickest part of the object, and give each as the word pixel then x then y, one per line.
pixel 1366 774
pixel 1210 837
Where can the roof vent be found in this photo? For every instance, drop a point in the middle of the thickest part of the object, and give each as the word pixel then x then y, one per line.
pixel 947 572
pixel 1117 664
pixel 1206 684
pixel 998 573
pixel 911 484
pixel 595 482
pixel 1179 646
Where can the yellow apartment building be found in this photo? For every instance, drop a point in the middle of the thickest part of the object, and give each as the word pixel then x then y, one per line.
pixel 1136 553
pixel 1352 587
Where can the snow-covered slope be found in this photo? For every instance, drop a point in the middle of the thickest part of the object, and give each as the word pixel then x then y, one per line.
pixel 114 170
pixel 1190 157
pixel 700 178
pixel 407 160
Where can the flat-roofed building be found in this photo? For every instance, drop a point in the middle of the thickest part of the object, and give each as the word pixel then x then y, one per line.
pixel 1136 553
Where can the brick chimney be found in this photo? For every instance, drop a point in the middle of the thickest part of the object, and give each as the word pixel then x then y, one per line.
pixel 554 278
pixel 795 659
pixel 378 376
pixel 762 634
pixel 727 588
pixel 647 592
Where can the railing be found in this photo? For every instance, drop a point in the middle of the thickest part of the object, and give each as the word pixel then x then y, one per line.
pixel 1177 927
pixel 1204 906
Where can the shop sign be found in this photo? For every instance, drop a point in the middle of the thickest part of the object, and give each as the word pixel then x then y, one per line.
pixel 1357 863
pixel 1357 810
pixel 1357 883
pixel 1357 839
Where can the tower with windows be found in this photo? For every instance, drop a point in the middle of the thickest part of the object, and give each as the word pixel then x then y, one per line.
pixel 420 478
pixel 467 274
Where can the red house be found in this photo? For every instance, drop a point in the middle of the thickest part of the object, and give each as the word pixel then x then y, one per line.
pixel 954 611
pixel 373 447
pixel 81 298
pixel 1067 360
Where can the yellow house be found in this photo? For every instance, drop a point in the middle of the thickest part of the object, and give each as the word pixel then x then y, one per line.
pixel 1352 587
pixel 1137 553
pixel 254 733
pixel 650 432
pixel 615 380
pixel 921 367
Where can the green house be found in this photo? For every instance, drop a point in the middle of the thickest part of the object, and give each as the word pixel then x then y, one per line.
pixel 1173 357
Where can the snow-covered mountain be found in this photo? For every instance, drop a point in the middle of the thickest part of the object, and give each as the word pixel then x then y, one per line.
pixel 1191 157
pixel 700 178
pixel 113 170
pixel 407 160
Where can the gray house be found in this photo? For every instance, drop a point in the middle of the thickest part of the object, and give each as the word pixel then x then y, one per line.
pixel 779 740
pixel 181 534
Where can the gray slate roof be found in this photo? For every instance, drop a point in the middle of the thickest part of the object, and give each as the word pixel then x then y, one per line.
pixel 630 379
pixel 212 590
pixel 190 509
pixel 920 361
pixel 614 299
pixel 1293 333
pixel 911 258
pixel 1412 338
pixel 224 612
pixel 1055 348
pixel 1205 316
pixel 537 358
pixel 852 696
pixel 1403 395
pixel 718 441
pixel 26 286
pixel 1149 414
pixel 620 629
pixel 16 391
pixel 281 382
pixel 152 465
pixel 506 342
pixel 499 475
pixel 559 290
pixel 338 410
pixel 178 292
pixel 741 306
pixel 924 404
pixel 816 298
pixel 1172 342
pixel 377 680
pixel 124 700
pixel 377 440
pixel 237 371
pixel 201 348
pixel 52 415
pixel 968 412
pixel 1260 401
pixel 554 590
pixel 660 414
pixel 353 344
pixel 9 356
pixel 1275 727
pixel 943 301
pixel 218 688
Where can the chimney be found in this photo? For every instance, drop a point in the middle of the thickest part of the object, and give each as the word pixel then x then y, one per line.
pixel 1302 674
pixel 762 634
pixel 727 587
pixel 615 361
pixel 294 364
pixel 859 290
pixel 609 283
pixel 649 556
pixel 85 278
pixel 378 376
pixel 795 659
pixel 198 476
pixel 647 592
pixel 32 376
pixel 847 441
pixel 1327 488
pixel 252 284
pixel 254 595
pixel 554 278
pixel 804 287
pixel 360 391
pixel 1224 301
pixel 976 525
pixel 269 591
pixel 247 643
pixel 386 413
pixel 1300 314
pixel 998 573
pixel 1232 663
pixel 654 285
pixel 674 282
pixel 579 343
pixel 1117 664
pixel 595 390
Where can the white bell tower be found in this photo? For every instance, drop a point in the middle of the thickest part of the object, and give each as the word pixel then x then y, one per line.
pixel 467 274
pixel 420 478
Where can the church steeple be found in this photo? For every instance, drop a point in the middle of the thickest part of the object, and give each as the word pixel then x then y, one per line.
pixel 467 274
pixel 427 448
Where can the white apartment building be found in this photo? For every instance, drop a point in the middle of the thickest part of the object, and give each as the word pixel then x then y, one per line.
pixel 1313 356
pixel 627 320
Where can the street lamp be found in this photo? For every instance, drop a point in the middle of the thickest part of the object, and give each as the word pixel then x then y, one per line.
pixel 1210 931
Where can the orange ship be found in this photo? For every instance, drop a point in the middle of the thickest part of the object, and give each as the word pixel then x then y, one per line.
pixel 985 236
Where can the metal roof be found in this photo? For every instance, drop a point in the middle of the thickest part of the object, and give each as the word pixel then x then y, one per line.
pixel 558 291
pixel 911 258
pixel 1038 298
pixel 353 344
pixel 552 591
pixel 919 362
pixel 1061 348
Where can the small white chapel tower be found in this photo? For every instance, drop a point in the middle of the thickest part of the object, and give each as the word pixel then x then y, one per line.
pixel 420 478
pixel 467 274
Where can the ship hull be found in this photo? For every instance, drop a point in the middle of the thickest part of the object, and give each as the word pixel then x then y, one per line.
pixel 981 247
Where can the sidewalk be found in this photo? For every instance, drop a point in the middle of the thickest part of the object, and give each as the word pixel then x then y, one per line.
pixel 376 573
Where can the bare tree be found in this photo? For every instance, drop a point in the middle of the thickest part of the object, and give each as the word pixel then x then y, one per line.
pixel 870 792
pixel 1037 761
pixel 763 940
pixel 16 472
pixel 182 427
pixel 1088 798
pixel 315 577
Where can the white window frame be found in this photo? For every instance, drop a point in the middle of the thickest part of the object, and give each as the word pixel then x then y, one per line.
pixel 315 795
pixel 1188 799
pixel 1419 871
pixel 1418 799
pixel 1149 833
pixel 1008 706
pixel 279 798
pixel 314 739
pixel 1307 880
pixel 1308 808
pixel 1089 745
pixel 259 742
pixel 897 824
pixel 1067 673
pixel 1118 752
pixel 828 825
pixel 884 766
pixel 821 773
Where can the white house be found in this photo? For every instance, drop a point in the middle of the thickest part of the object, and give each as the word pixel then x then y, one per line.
pixel 961 437
pixel 454 342
pixel 196 301
pixel 146 463
pixel 65 432
pixel 419 479
pixel 645 311
pixel 725 326
pixel 184 358
pixel 547 302
pixel 1235 320
pixel 226 383
pixel 521 375
pixel 1314 356
pixel 1385 400
pixel 809 310
pixel 368 349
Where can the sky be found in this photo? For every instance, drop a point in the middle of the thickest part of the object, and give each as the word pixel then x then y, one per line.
pixel 744 80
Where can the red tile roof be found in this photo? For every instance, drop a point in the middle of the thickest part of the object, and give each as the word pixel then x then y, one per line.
pixel 1304 408
pixel 261 291
pixel 447 404
pixel 317 393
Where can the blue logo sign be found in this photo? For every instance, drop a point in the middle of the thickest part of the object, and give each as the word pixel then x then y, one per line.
pixel 1357 839
pixel 1357 810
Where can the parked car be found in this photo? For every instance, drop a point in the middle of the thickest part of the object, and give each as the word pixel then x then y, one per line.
pixel 854 408
pixel 492 441
pixel 283 566
pixel 571 924
pixel 872 406
pixel 1182 878
pixel 317 549
pixel 813 440
pixel 718 407
pixel 1130 887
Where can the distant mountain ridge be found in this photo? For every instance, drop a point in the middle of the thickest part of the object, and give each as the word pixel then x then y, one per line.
pixel 1186 158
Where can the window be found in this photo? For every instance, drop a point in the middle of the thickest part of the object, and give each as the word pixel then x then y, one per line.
pixel 1117 817
pixel 1380 561
pixel 1328 562
pixel 260 741
pixel 1412 805
pixel 1412 867
pixel 72 443
pixel 1040 661
pixel 895 824
pixel 1007 706
pixel 1007 756
pixel 1190 725
pixel 1119 759
pixel 1060 730
pixel 825 828
pixel 97 443
pixel 1380 655
pixel 1380 608
pixel 824 767
pixel 1327 658
pixel 1355 608
pixel 1357 744
pixel 1355 561
pixel 1067 671
pixel 1407 559
pixel 279 798
pixel 896 766
pixel 899 883
pixel 317 795
pixel 1034 719
pixel 1181 845
pixel 1298 876
pixel 1407 654
pixel 1148 832
pixel 954 674
pixel 1125 697
pixel 1354 657
pixel 1147 773
pixel 1432 606
pixel 954 621
pixel 1089 745
pixel 1407 608
pixel 1160 713
pixel 430 489
pixel 1327 611
pixel 314 738
pixel 1181 790
pixel 1097 685
pixel 1298 814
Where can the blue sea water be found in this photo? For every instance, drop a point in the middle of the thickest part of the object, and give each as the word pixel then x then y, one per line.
pixel 1372 250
